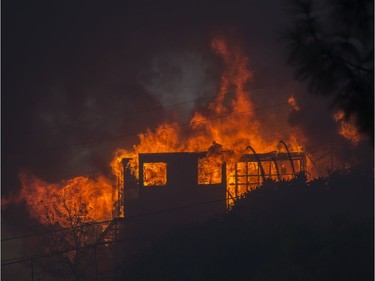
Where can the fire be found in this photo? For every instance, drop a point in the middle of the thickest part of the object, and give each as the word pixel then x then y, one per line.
pixel 85 199
pixel 155 174
pixel 225 129
pixel 229 119
pixel 210 167
pixel 347 129
pixel 293 103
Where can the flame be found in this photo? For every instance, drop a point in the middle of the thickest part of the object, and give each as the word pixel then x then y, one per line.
pixel 210 167
pixel 155 174
pixel 293 103
pixel 226 127
pixel 228 120
pixel 85 199
pixel 347 128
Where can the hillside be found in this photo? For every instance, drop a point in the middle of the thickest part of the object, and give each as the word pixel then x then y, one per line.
pixel 291 230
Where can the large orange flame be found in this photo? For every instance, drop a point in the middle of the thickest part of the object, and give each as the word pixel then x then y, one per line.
pixel 80 199
pixel 227 124
pixel 228 120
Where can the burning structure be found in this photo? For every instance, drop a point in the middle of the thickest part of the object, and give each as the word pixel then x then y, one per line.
pixel 178 173
pixel 172 180
pixel 222 152
pixel 176 189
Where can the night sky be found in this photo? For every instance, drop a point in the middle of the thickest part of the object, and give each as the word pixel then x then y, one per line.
pixel 79 77
pixel 83 78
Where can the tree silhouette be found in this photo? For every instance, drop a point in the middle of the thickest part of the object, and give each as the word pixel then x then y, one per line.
pixel 66 245
pixel 330 44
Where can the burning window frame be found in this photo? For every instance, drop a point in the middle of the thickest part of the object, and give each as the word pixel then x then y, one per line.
pixel 158 176
pixel 209 173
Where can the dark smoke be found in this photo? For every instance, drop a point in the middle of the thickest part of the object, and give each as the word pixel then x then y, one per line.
pixel 79 79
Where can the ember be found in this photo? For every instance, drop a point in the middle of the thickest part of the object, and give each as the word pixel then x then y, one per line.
pixel 347 129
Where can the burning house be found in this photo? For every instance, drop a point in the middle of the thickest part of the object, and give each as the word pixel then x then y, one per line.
pixel 180 179
pixel 171 181
pixel 176 189
pixel 178 174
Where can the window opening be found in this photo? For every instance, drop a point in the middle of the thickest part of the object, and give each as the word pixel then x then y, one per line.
pixel 154 174
pixel 209 171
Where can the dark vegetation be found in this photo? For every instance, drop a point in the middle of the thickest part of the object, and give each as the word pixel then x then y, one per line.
pixel 331 47
pixel 291 230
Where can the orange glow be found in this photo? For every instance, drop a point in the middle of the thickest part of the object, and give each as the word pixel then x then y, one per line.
pixel 209 170
pixel 88 198
pixel 225 128
pixel 154 174
pixel 293 103
pixel 347 129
